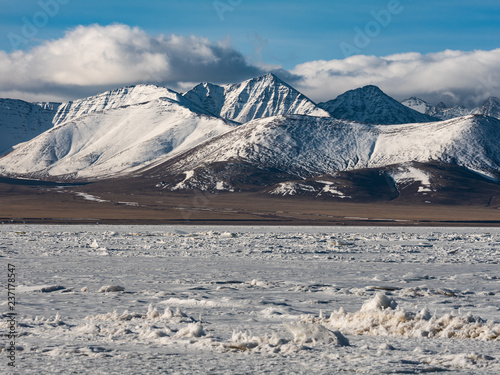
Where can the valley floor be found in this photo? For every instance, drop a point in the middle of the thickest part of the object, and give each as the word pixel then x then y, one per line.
pixel 111 299
pixel 107 204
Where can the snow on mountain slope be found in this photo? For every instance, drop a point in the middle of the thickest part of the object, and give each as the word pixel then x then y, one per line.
pixel 471 141
pixel 50 106
pixel 317 188
pixel 21 121
pixel 300 145
pixel 305 146
pixel 119 140
pixel 208 96
pixel 407 174
pixel 121 97
pixel 370 105
pixel 422 106
pixel 255 98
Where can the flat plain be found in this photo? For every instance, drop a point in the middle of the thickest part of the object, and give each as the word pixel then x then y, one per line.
pixel 121 203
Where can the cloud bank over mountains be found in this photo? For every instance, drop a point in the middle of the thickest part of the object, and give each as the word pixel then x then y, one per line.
pixel 90 59
pixel 455 77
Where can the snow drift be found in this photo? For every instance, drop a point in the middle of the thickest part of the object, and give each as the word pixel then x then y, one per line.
pixel 380 317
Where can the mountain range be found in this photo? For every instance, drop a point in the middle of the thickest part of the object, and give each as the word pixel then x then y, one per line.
pixel 259 135
pixel 490 107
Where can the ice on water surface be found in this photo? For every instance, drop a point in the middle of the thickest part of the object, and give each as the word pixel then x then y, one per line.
pixel 162 299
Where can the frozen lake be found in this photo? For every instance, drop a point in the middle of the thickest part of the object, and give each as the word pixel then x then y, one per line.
pixel 240 300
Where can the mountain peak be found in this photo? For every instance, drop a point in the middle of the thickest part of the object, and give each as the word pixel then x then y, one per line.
pixel 269 79
pixel 364 92
pixel 369 88
pixel 258 97
pixel 420 105
pixel 490 107
pixel 269 76
pixel 208 96
pixel 371 105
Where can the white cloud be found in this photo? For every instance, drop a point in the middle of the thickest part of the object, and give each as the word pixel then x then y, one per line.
pixel 92 59
pixel 96 57
pixel 455 77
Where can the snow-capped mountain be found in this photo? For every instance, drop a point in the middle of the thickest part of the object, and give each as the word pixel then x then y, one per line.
pixel 255 98
pixel 370 105
pixel 422 106
pixel 21 121
pixel 441 111
pixel 258 135
pixel 491 107
pixel 419 105
pixel 305 147
pixel 454 112
pixel 112 133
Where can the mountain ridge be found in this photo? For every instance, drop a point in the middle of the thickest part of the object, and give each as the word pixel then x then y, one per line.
pixel 112 99
pixel 306 147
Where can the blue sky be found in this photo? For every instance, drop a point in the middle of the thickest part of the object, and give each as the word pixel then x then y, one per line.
pixel 295 31
pixel 270 34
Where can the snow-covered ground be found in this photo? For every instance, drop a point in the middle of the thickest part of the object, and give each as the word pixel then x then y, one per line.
pixel 241 300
